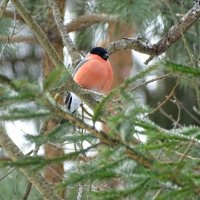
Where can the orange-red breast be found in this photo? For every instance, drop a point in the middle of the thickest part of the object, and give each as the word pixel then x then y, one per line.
pixel 93 73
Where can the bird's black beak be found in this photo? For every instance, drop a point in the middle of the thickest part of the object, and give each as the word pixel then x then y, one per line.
pixel 105 56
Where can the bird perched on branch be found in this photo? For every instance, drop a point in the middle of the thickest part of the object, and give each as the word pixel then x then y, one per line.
pixel 93 73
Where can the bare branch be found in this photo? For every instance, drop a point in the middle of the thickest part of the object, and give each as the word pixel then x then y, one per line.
pixel 131 43
pixel 73 52
pixel 165 100
pixel 85 21
pixel 45 189
pixel 174 33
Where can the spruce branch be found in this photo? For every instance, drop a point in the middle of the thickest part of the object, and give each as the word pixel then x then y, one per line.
pixel 174 34
pixel 105 138
pixel 45 189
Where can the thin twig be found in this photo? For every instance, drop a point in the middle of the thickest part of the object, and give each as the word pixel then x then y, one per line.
pixel 165 100
pixel 196 110
pixel 187 111
pixel 179 112
pixel 157 194
pixel 27 192
pixel 170 117
pixel 186 151
pixel 150 81
pixel 185 78
pixel 5 175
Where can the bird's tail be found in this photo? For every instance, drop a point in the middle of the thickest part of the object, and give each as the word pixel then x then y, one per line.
pixel 72 102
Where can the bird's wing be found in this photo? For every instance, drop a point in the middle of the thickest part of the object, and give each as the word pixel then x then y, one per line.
pixel 79 65
pixel 72 102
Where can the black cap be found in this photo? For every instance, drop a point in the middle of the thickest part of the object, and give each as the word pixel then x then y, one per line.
pixel 103 53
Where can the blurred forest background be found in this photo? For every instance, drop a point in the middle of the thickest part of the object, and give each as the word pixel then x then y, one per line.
pixel 159 120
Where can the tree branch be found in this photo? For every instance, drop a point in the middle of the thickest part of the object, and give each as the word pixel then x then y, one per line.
pixel 70 84
pixel 85 21
pixel 174 33
pixel 45 189
pixel 73 52
pixel 104 137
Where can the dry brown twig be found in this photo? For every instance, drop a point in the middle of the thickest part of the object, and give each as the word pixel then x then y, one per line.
pixel 165 100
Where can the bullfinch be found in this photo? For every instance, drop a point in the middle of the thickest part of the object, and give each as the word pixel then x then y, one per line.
pixel 92 73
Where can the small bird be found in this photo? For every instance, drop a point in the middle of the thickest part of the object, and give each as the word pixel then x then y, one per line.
pixel 92 73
